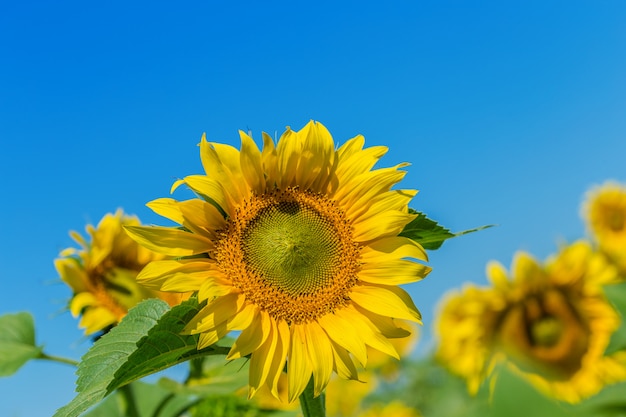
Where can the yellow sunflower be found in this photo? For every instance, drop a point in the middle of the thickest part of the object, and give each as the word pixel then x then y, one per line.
pixel 550 323
pixel 297 247
pixel 605 213
pixel 102 273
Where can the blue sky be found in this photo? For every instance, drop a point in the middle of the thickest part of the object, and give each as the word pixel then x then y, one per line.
pixel 507 111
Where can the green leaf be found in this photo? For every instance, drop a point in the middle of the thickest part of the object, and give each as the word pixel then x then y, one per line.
pixel 147 340
pixel 148 400
pixel 429 233
pixel 616 293
pixel 17 342
pixel 611 401
pixel 514 396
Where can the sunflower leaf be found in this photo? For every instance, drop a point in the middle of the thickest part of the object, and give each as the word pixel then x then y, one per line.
pixel 147 340
pixel 431 234
pixel 17 342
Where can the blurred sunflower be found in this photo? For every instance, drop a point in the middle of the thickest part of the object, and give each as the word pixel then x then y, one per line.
pixel 605 214
pixel 551 324
pixel 102 273
pixel 394 408
pixel 297 247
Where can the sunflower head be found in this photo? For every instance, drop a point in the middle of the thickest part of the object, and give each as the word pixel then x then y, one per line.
pixel 295 245
pixel 605 214
pixel 102 273
pixel 550 323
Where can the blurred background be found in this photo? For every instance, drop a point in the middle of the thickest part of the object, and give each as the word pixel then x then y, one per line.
pixel 508 112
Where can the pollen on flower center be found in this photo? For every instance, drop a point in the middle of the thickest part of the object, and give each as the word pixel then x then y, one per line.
pixel 291 253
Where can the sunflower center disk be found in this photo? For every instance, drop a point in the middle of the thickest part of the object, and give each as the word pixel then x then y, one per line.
pixel 291 253
pixel 293 247
pixel 546 334
pixel 615 220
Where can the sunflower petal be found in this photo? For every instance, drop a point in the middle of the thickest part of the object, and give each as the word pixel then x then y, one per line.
pixel 396 272
pixel 251 163
pixel 299 367
pixel 387 301
pixel 366 329
pixel 320 354
pixel 179 275
pixel 344 334
pixel 251 338
pixel 215 313
pixel 343 364
pixel 168 208
pixel 169 241
pixel 259 361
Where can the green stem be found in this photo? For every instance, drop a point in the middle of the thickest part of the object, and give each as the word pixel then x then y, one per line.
pixel 131 406
pixel 312 406
pixel 58 359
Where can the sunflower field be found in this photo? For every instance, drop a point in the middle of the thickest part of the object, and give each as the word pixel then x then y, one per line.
pixel 277 290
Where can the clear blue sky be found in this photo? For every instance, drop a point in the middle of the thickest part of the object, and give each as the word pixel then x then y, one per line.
pixel 508 112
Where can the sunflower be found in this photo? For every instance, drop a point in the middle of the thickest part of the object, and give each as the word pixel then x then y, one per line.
pixel 102 273
pixel 550 323
pixel 296 246
pixel 605 213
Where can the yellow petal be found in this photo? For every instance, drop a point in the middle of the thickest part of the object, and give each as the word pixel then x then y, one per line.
pixel 211 191
pixel 396 272
pixel 260 362
pixel 363 188
pixel 351 147
pixel 251 338
pixel 387 326
pixel 201 217
pixel 497 275
pixel 80 301
pixel 299 369
pixel 221 163
pixel 316 157
pixel 288 154
pixel 243 318
pixel 215 285
pixel 368 332
pixel 251 163
pixel 320 354
pixel 269 158
pixel 354 162
pixel 392 248
pixel 344 334
pixel 215 313
pixel 96 318
pixel 280 356
pixel 78 238
pixel 180 275
pixel 344 366
pixel 386 224
pixel 71 273
pixel 386 301
pixel 211 337
pixel 526 269
pixel 169 241
pixel 168 208
pixel 390 200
